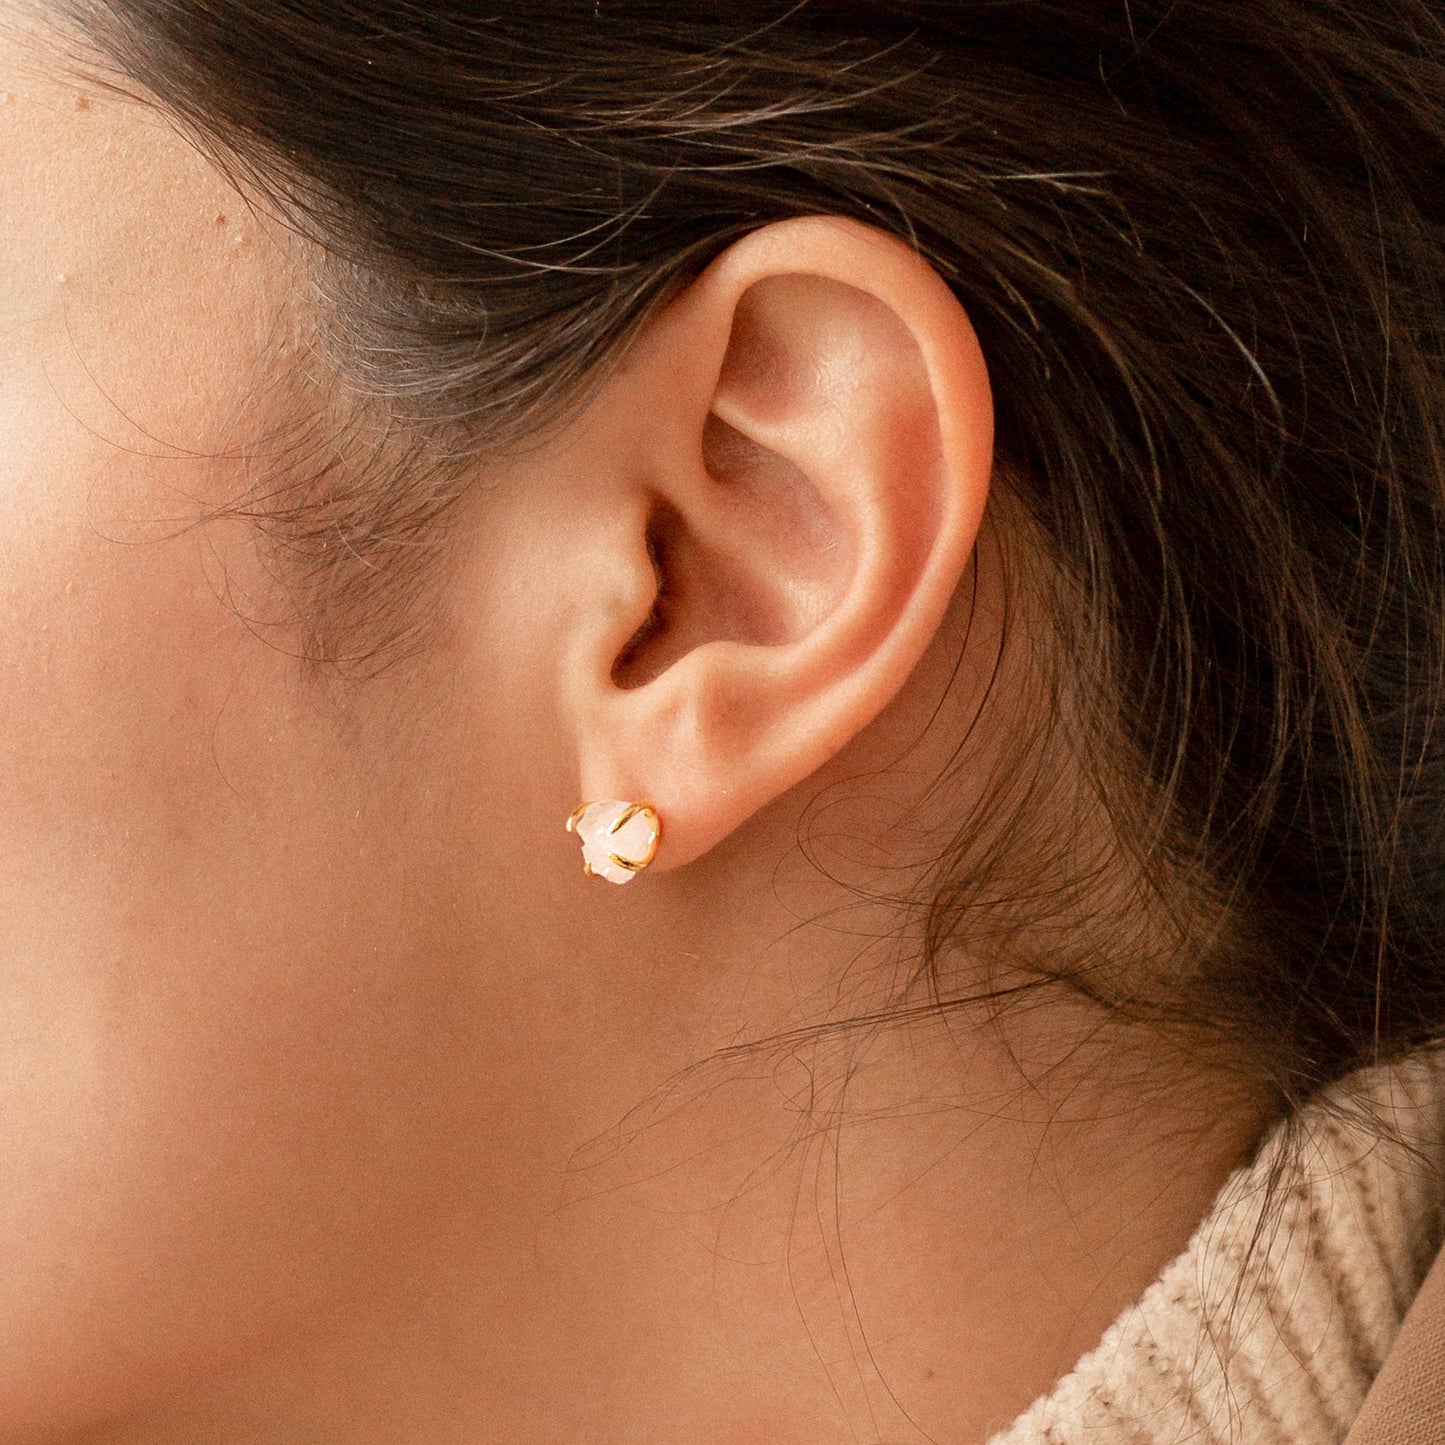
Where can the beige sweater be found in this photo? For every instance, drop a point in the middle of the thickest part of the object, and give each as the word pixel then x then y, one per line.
pixel 1271 1325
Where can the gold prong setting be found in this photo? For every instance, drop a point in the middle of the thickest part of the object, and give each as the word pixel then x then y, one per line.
pixel 619 838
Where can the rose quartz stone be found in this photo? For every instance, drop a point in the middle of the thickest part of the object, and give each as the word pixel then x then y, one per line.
pixel 633 840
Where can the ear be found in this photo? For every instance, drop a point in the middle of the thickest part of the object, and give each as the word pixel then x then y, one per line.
pixel 799 452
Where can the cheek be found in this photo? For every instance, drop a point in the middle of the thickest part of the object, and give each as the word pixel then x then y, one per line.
pixel 222 1032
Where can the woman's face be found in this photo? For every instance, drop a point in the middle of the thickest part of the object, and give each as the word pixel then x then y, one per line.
pixel 230 1056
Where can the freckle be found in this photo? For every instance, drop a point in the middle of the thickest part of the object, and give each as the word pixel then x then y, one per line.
pixel 82 102
pixel 220 218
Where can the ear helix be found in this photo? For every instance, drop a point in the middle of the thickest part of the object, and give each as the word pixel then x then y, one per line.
pixel 619 839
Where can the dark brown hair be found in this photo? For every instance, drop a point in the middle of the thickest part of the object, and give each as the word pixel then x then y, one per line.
pixel 1201 242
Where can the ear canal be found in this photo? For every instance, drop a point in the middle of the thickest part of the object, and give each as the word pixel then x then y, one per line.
pixel 643 656
pixel 721 572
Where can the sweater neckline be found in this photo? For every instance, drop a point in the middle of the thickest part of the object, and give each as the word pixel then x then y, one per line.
pixel 1271 1324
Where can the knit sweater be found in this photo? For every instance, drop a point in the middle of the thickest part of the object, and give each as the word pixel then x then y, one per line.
pixel 1270 1326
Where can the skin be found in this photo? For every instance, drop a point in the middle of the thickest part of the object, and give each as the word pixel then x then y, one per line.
pixel 336 1104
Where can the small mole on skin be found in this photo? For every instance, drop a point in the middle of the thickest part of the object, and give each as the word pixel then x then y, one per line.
pixel 221 218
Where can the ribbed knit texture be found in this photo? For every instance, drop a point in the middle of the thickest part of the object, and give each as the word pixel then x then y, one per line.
pixel 1270 1327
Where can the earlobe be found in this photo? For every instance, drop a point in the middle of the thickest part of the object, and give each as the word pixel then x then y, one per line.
pixel 813 442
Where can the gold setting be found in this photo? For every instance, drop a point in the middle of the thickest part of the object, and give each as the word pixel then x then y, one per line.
pixel 631 811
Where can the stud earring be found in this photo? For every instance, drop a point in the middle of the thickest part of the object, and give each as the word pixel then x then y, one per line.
pixel 619 839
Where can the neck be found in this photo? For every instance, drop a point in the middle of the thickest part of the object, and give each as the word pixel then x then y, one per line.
pixel 887 1236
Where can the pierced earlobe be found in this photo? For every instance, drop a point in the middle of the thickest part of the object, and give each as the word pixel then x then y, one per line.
pixel 619 839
